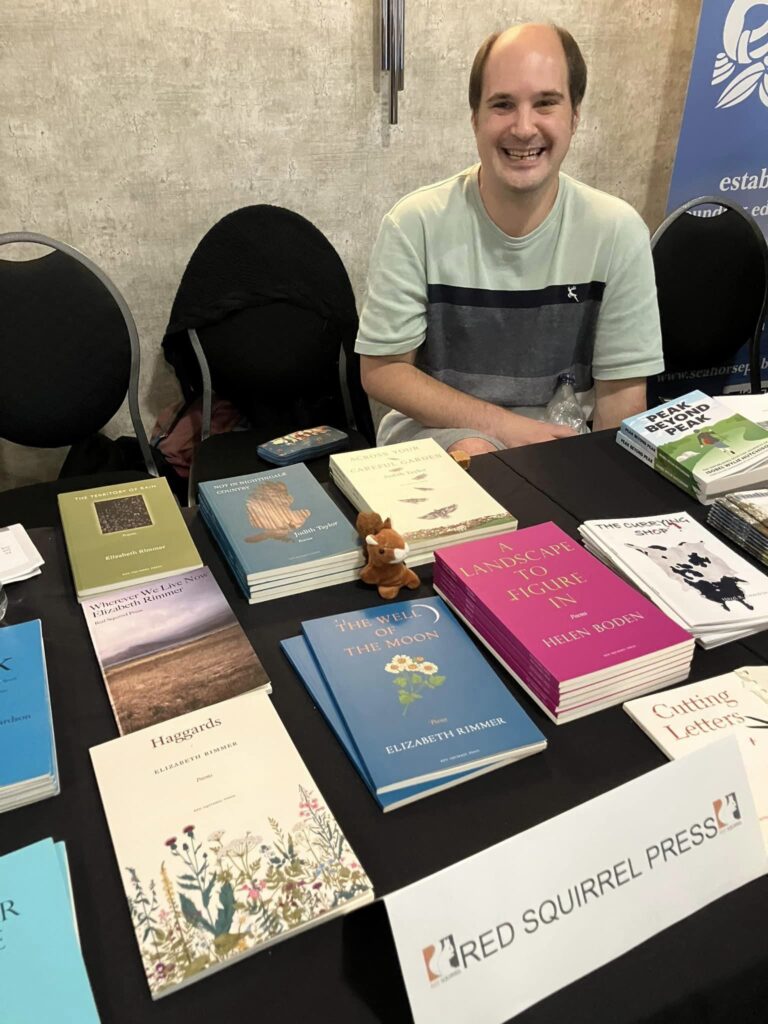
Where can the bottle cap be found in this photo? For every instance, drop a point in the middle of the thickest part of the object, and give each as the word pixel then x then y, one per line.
pixel 566 378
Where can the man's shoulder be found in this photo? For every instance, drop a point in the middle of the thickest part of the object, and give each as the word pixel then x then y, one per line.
pixel 591 207
pixel 435 200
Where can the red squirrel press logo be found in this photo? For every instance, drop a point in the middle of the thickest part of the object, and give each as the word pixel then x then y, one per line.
pixel 727 812
pixel 441 960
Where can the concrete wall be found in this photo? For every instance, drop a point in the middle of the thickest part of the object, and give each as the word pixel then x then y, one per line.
pixel 129 128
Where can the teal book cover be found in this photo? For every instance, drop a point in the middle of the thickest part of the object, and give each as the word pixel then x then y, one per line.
pixel 418 698
pixel 41 965
pixel 278 519
pixel 26 736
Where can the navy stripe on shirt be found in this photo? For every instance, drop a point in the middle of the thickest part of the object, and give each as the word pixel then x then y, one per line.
pixel 492 298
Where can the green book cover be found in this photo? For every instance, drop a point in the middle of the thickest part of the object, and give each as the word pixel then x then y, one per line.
pixel 123 534
pixel 713 447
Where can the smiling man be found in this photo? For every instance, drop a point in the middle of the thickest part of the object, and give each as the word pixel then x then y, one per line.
pixel 485 287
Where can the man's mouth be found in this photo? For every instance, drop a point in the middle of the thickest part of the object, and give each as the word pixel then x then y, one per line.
pixel 523 155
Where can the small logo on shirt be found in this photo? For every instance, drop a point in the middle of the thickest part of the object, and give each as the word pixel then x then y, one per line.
pixel 572 292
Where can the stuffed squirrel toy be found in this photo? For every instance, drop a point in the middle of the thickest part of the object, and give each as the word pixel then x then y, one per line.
pixel 385 551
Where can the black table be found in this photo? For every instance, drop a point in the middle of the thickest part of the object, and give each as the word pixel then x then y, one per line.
pixel 711 967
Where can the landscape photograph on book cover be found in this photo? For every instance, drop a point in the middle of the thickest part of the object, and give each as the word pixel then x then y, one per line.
pixel 170 647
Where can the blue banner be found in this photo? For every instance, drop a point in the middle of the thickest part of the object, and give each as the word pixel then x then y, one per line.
pixel 723 146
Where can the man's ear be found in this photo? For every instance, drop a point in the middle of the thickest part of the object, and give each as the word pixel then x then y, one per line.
pixel 473 121
pixel 575 118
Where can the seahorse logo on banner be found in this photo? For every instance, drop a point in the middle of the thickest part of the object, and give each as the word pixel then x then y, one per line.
pixel 746 51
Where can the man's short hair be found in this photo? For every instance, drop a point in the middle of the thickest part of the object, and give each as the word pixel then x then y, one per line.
pixel 577 68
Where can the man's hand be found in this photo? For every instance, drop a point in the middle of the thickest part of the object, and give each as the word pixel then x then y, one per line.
pixel 520 430
pixel 396 382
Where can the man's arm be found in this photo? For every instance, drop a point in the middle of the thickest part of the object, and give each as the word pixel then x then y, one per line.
pixel 617 399
pixel 397 382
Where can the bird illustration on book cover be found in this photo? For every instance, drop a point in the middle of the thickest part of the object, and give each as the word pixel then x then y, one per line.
pixel 269 510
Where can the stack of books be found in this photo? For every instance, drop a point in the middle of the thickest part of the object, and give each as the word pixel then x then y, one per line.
pixel 280 532
pixel 44 977
pixel 683 568
pixel 576 637
pixel 415 705
pixel 689 717
pixel 743 518
pixel 170 647
pixel 19 558
pixel 429 498
pixel 700 444
pixel 236 848
pixel 28 767
pixel 124 534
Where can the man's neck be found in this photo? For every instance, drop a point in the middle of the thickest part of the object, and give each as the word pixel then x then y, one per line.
pixel 519 214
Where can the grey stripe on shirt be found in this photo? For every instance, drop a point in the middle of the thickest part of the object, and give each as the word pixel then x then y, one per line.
pixel 509 355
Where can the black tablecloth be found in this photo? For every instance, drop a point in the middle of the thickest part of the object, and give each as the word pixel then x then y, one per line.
pixel 711 967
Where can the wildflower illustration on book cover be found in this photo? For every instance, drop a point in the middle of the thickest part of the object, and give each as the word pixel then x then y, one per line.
pixel 216 896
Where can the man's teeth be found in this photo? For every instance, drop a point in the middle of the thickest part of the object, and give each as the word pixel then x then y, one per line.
pixel 524 154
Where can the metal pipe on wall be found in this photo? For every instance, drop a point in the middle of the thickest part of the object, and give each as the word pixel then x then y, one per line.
pixel 393 50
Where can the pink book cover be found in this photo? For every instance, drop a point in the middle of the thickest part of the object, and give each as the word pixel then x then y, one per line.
pixel 559 602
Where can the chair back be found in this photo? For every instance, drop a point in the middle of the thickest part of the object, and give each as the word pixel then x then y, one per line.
pixel 712 282
pixel 69 349
pixel 270 302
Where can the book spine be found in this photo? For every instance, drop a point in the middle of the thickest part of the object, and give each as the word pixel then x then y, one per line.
pixel 667 468
pixel 642 442
pixel 628 444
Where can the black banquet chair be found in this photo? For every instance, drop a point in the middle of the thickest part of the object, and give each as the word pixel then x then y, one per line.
pixel 265 317
pixel 69 354
pixel 711 263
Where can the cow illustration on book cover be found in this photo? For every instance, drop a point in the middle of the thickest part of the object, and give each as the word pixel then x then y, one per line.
pixel 694 567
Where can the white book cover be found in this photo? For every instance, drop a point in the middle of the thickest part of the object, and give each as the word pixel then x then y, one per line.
pixel 689 717
pixel 421 488
pixel 686 566
pixel 223 841
pixel 19 558
pixel 752 407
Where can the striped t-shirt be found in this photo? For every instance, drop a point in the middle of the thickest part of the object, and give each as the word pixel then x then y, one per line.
pixel 500 317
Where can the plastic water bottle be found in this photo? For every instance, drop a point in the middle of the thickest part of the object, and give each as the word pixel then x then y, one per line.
pixel 564 407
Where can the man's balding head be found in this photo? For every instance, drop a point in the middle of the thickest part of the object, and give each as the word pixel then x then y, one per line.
pixel 576 67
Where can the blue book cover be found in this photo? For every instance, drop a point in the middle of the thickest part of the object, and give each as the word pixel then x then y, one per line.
pixel 298 652
pixel 278 520
pixel 418 698
pixel 26 735
pixel 44 977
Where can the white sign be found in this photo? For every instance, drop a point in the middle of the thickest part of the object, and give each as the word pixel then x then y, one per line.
pixel 491 935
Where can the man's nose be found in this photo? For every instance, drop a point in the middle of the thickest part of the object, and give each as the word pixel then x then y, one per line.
pixel 523 125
